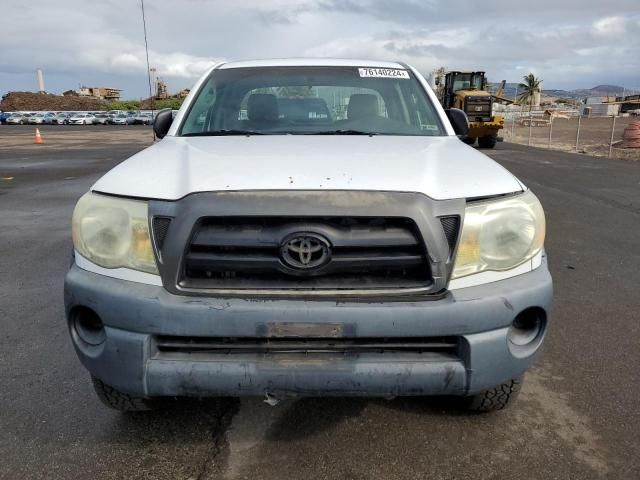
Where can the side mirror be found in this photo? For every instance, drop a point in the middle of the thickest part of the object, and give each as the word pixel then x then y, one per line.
pixel 459 121
pixel 162 122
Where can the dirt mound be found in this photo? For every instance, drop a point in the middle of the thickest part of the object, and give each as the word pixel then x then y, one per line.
pixel 29 101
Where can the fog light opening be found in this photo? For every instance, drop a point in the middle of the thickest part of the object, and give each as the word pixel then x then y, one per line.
pixel 527 326
pixel 88 326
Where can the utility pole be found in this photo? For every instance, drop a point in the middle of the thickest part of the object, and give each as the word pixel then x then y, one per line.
pixel 513 124
pixel 530 122
pixel 613 129
pixel 146 49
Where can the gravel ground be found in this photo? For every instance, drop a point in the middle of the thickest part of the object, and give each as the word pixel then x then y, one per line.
pixel 577 417
pixel 594 137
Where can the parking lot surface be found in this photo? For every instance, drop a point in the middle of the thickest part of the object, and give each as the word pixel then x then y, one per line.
pixel 577 417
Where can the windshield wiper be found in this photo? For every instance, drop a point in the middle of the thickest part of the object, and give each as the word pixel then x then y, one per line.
pixel 344 132
pixel 222 133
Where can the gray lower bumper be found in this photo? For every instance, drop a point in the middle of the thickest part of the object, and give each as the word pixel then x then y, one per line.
pixel 134 314
pixel 367 375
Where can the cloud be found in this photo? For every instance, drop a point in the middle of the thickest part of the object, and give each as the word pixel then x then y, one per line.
pixel 559 55
pixel 573 43
pixel 610 26
pixel 133 60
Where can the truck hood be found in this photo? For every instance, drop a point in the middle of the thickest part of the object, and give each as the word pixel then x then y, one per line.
pixel 439 167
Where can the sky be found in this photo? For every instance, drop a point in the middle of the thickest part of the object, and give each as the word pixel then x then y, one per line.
pixel 568 43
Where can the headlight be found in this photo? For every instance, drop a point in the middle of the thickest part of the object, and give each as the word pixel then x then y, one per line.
pixel 113 232
pixel 500 234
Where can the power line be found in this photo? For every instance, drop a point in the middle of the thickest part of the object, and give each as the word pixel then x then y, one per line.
pixel 146 48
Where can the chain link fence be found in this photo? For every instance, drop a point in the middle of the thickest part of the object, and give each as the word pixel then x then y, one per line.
pixel 569 132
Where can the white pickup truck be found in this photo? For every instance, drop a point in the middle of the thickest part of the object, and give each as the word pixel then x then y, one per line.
pixel 308 227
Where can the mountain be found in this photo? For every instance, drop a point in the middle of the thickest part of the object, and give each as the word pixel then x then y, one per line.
pixel 564 93
pixel 511 88
pixel 605 90
pixel 600 91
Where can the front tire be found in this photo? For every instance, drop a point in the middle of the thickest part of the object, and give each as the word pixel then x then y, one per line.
pixel 469 140
pixel 496 398
pixel 118 400
pixel 488 141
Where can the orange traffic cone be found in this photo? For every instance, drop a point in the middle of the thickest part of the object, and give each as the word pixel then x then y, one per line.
pixel 38 136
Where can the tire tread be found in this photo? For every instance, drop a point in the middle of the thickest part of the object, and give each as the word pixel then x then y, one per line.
pixel 495 398
pixel 488 141
pixel 118 400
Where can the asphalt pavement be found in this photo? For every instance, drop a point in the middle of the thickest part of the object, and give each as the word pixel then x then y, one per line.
pixel 578 415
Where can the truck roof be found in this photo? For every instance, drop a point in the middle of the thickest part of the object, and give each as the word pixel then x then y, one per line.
pixel 465 71
pixel 311 62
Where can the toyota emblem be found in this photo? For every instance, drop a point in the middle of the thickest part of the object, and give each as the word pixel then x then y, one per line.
pixel 305 251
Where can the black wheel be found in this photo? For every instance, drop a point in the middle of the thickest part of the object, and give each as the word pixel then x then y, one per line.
pixel 488 141
pixel 495 398
pixel 469 140
pixel 118 400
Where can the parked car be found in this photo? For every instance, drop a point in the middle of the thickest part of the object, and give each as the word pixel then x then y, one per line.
pixel 81 119
pixel 143 119
pixel 62 118
pixel 4 116
pixel 42 118
pixel 122 119
pixel 374 254
pixel 18 118
pixel 101 119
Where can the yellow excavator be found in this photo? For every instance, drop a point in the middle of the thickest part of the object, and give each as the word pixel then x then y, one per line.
pixel 468 92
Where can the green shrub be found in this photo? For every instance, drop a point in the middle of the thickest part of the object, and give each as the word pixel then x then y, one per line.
pixel 123 105
pixel 173 103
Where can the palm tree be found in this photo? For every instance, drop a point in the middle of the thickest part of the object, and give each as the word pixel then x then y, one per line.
pixel 529 89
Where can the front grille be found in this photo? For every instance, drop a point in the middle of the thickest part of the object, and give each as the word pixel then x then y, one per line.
pixel 230 345
pixel 362 253
pixel 478 108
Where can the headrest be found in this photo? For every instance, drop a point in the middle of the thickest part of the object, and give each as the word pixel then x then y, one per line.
pixel 362 105
pixel 262 106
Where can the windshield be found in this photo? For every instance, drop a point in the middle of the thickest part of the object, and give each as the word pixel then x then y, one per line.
pixel 467 81
pixel 311 100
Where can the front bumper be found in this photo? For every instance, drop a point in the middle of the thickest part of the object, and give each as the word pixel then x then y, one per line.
pixel 135 315
pixel 482 129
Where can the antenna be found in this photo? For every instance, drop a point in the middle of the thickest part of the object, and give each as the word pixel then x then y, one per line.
pixel 146 48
